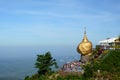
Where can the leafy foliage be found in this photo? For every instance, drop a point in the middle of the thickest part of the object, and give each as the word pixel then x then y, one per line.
pixel 109 64
pixel 71 77
pixel 88 71
pixel 44 63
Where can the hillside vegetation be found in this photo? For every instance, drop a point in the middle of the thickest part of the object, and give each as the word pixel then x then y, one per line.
pixel 105 67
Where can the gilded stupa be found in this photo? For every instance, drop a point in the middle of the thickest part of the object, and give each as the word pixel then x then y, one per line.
pixel 85 47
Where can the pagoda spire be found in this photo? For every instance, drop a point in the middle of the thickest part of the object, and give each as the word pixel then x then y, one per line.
pixel 84 30
pixel 85 39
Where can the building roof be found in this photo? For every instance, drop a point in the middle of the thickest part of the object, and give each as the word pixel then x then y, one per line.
pixel 110 40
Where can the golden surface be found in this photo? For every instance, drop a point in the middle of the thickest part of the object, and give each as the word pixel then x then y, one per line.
pixel 85 47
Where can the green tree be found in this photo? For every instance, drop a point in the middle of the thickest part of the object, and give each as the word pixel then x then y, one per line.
pixel 44 63
pixel 88 71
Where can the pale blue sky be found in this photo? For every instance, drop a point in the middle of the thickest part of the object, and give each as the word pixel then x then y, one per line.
pixel 57 22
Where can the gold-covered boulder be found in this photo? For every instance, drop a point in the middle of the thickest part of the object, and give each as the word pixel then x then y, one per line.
pixel 85 47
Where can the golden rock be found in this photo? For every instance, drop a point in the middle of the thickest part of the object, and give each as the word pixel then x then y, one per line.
pixel 85 47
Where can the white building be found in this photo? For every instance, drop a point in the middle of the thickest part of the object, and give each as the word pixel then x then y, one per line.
pixel 110 42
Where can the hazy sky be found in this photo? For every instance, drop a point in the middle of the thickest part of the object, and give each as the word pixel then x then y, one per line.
pixel 57 22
